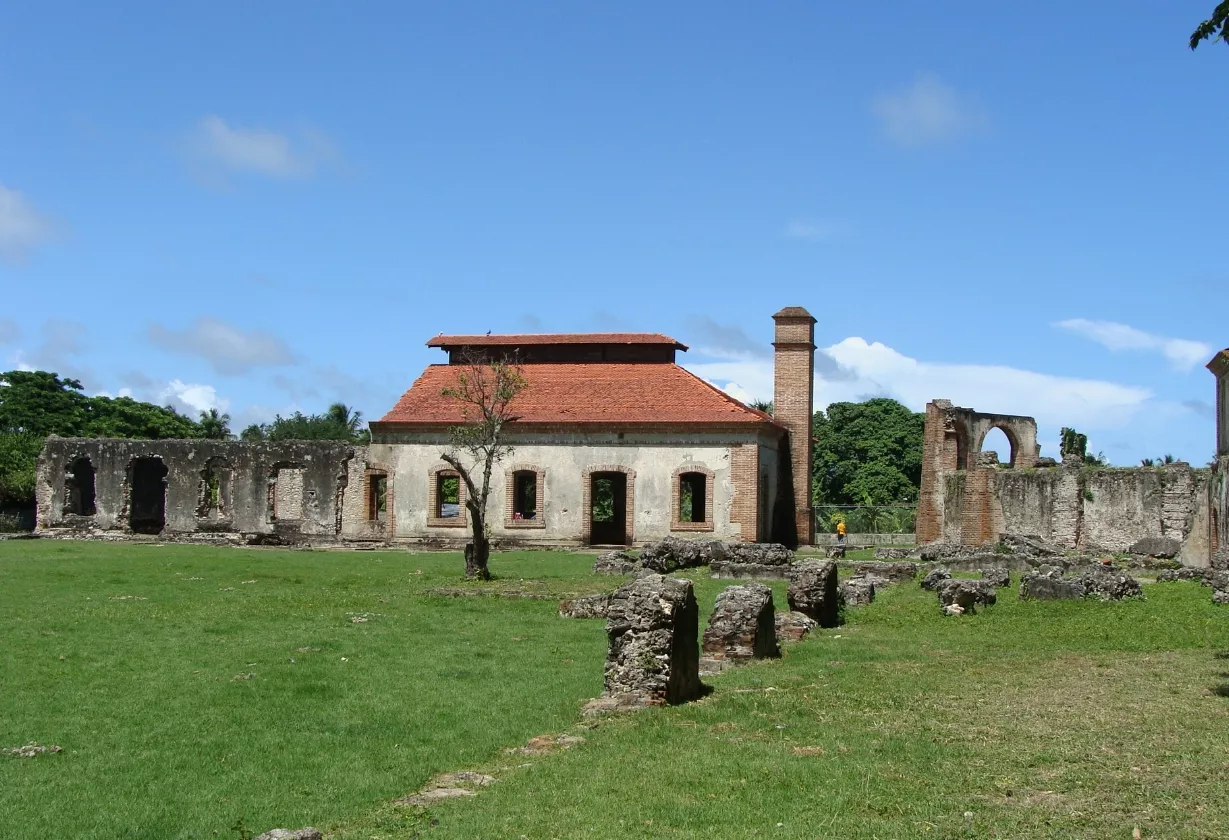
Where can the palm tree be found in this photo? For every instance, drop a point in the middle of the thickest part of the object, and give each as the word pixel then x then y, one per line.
pixel 347 418
pixel 215 425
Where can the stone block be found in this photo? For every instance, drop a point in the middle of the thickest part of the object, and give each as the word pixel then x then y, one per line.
pixel 891 553
pixel 1109 585
pixel 858 591
pixel 763 554
pixel 670 554
pixel 288 834
pixel 794 626
pixel 935 577
pixel 742 627
pixel 652 625
pixel 614 563
pixel 1156 547
pixel 813 590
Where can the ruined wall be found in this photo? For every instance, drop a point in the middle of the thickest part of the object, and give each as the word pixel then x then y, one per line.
pixel 1080 507
pixel 294 490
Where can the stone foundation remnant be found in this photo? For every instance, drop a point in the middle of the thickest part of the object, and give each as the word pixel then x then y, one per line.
pixel 752 560
pixel 289 834
pixel 653 659
pixel 1105 584
pixel 813 591
pixel 968 498
pixel 897 572
pixel 998 578
pixel 960 596
pixel 742 627
pixel 586 606
pixel 615 563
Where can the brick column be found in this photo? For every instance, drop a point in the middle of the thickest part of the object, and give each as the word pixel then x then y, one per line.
pixel 793 395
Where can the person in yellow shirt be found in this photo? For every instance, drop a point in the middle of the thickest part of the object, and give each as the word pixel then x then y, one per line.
pixel 840 533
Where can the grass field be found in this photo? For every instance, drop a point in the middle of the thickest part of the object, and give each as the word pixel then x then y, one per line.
pixel 181 713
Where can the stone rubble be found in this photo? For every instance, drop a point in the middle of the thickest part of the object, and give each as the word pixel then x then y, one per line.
pixel 671 554
pixel 586 606
pixel 291 834
pixel 893 572
pixel 891 553
pixel 813 590
pixel 652 625
pixel 1163 547
pixel 965 594
pixel 742 627
pixel 726 570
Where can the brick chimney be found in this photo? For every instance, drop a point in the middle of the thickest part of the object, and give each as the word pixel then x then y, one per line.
pixel 793 394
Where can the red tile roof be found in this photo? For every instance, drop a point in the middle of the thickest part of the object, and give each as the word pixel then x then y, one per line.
pixel 553 338
pixel 587 394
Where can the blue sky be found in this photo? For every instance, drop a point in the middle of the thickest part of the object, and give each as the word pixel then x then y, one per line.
pixel 1019 207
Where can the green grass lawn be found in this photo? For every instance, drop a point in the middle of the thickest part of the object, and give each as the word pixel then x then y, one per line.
pixel 1028 720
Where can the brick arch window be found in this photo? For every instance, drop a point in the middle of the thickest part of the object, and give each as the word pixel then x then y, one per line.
pixel 628 490
pixel 445 498
pixel 691 498
pixel 378 497
pixel 525 497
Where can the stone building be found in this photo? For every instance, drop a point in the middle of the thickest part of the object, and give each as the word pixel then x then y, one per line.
pixel 614 444
pixel 1219 488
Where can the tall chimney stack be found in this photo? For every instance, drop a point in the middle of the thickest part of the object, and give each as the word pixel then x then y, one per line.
pixel 793 394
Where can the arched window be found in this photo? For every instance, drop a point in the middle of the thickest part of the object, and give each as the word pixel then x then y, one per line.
pixel 525 499
pixel 445 498
pixel 692 497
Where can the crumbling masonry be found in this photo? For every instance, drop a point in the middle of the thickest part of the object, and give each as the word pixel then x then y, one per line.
pixel 968 498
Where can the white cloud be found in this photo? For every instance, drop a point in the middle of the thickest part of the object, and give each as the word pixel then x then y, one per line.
pixel 739 393
pixel 926 113
pixel 230 350
pixel 813 230
pixel 191 399
pixel 874 369
pixel 260 150
pixel 21 227
pixel 1182 353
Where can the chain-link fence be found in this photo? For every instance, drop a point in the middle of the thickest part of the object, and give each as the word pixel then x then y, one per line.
pixel 866 519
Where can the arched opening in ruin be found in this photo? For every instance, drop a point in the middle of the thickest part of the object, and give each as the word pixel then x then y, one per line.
pixel 997 447
pixel 286 492
pixel 214 491
pixel 79 488
pixel 147 495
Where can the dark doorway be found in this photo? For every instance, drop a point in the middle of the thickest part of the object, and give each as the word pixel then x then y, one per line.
pixel 147 499
pixel 79 488
pixel 524 494
pixel 608 508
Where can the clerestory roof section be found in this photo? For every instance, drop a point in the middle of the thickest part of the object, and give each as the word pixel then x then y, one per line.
pixel 588 395
pixel 535 339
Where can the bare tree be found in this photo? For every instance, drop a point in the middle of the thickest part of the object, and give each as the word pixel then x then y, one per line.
pixel 486 389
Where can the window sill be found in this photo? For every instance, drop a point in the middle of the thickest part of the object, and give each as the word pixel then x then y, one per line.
pixel 691 526
pixel 450 522
pixel 524 523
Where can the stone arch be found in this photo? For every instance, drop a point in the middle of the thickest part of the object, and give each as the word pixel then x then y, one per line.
pixel 1012 441
pixel 80 490
pixel 628 493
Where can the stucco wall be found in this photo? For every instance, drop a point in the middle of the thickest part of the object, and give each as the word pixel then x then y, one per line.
pixel 1078 507
pixel 563 458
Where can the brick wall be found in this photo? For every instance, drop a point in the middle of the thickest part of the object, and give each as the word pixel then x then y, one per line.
pixel 745 476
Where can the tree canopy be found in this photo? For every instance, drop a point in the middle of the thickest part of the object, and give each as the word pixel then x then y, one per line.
pixel 36 403
pixel 340 422
pixel 1214 28
pixel 867 453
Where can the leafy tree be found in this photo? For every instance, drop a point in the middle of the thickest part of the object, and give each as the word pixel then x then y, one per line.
pixel 485 390
pixel 867 453
pixel 338 423
pixel 762 405
pixel 36 403
pixel 1213 28
pixel 215 425
pixel 1072 442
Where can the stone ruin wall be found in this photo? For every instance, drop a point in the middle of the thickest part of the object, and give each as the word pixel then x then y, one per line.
pixel 965 501
pixel 216 491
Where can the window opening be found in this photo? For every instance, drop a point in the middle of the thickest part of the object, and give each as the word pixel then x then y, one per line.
pixel 447 495
pixel 79 487
pixel 692 495
pixel 524 494
pixel 377 497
